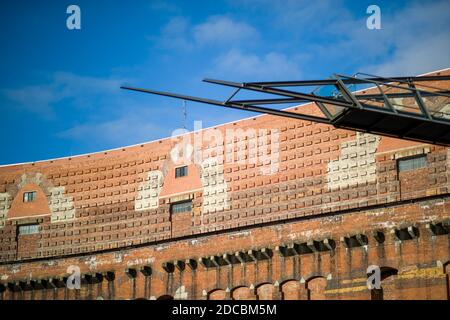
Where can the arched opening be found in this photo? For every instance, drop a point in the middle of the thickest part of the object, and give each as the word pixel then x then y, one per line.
pixel 217 294
pixel 315 288
pixel 242 293
pixel 290 290
pixel 265 291
pixel 165 297
pixel 387 288
pixel 447 277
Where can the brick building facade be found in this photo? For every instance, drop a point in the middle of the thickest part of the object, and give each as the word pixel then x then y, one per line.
pixel 288 210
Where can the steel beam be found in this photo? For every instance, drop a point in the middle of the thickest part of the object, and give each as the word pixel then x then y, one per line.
pixel 347 81
pixel 355 114
pixel 360 97
pixel 281 92
pixel 232 105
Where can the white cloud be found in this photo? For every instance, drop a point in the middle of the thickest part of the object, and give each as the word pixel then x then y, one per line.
pixel 175 35
pixel 414 37
pixel 416 58
pixel 108 115
pixel 127 129
pixel 82 90
pixel 223 30
pixel 37 99
pixel 420 36
pixel 73 84
pixel 298 16
pixel 272 65
pixel 178 33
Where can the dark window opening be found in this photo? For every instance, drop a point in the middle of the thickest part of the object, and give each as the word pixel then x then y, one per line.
pixel 181 172
pixel 27 229
pixel 376 294
pixel 179 207
pixel 165 297
pixel 29 196
pixel 412 163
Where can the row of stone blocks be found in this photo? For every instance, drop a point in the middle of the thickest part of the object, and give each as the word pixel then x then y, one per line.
pixel 300 248
pixel 56 282
pixel 238 257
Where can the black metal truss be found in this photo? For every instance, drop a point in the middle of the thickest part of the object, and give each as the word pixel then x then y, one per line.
pixel 400 107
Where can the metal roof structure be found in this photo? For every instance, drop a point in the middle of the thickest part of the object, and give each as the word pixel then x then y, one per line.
pixel 401 107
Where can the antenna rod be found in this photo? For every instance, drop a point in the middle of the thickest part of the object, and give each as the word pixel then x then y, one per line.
pixel 184 114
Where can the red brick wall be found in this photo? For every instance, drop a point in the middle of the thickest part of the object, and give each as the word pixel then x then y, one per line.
pixel 27 246
pixel 330 184
pixel 21 209
pixel 421 262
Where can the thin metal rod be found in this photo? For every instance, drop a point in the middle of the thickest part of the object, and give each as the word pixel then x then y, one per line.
pixel 346 81
pixel 234 93
pixel 357 96
pixel 282 92
pixel 420 102
pixel 390 85
pixel 345 92
pixel 275 112
pixel 386 100
pixel 406 114
pixel 399 95
pixel 270 101
pixel 406 80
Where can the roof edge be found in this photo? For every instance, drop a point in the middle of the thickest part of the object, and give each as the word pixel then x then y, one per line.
pixel 171 137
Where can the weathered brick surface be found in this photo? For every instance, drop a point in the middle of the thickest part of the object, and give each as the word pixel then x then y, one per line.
pixel 336 204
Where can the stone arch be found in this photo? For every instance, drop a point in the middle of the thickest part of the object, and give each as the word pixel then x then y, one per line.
pixel 265 291
pixel 242 293
pixel 315 288
pixel 165 297
pixel 387 290
pixel 217 294
pixel 290 289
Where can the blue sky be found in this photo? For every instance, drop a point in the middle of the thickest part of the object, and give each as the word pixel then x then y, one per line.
pixel 59 88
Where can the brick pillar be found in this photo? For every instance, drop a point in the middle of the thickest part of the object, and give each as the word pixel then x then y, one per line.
pixel 110 277
pixel 277 293
pixel 303 294
pixel 255 293
pixel 228 294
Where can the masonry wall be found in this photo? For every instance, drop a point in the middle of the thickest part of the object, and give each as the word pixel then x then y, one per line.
pixel 184 268
pixel 300 213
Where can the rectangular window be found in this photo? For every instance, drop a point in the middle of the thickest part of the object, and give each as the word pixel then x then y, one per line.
pixel 412 163
pixel 181 172
pixel 29 196
pixel 28 229
pixel 179 207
